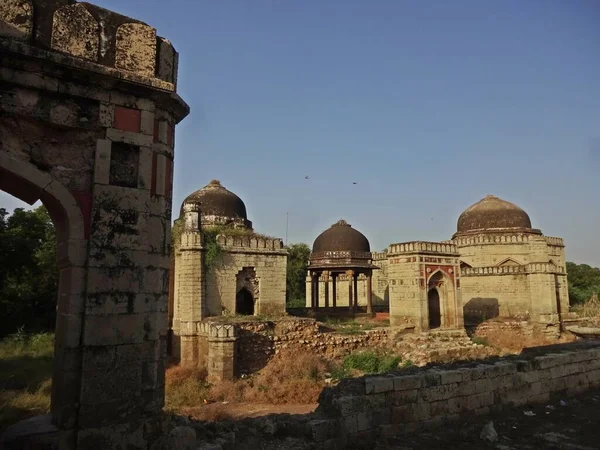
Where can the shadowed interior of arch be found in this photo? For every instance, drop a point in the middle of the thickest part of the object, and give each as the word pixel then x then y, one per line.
pixel 433 303
pixel 244 302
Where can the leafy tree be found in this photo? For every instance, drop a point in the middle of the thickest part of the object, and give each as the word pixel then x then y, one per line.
pixel 584 281
pixel 297 265
pixel 28 270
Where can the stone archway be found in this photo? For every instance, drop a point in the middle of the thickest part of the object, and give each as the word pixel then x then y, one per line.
pixel 441 299
pixel 29 184
pixel 247 292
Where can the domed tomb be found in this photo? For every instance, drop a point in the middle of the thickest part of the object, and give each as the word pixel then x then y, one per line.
pixel 341 246
pixel 492 214
pixel 218 206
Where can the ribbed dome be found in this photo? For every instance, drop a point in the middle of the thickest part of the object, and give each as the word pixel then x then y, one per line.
pixel 215 200
pixel 341 237
pixel 492 213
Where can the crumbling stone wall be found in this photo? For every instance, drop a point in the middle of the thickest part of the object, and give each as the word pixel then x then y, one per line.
pixel 88 107
pixel 266 256
pixel 259 341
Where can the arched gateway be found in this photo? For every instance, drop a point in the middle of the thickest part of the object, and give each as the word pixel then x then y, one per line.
pixel 88 129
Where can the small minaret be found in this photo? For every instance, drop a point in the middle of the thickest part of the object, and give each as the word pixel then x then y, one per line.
pixel 190 286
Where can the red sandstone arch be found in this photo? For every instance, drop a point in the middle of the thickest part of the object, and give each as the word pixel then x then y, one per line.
pixel 28 183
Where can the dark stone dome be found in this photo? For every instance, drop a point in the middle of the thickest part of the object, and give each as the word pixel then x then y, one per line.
pixel 492 213
pixel 215 200
pixel 341 237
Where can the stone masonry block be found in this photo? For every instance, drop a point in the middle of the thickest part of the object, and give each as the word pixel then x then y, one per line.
pixel 128 137
pixel 18 18
pixel 112 384
pixel 102 161
pixel 136 49
pixel 350 424
pixel 376 385
pixel 407 382
pixel 451 376
pixel 399 398
pixel 364 421
pixel 351 405
pixel 322 430
pixel 436 393
pixel 147 123
pixel 76 32
pixel 115 329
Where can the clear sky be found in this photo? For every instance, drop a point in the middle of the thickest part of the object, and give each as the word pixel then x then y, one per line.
pixel 427 105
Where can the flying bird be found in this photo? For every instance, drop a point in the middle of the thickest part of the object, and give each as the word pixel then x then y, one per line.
pixel 354 182
pixel 306 177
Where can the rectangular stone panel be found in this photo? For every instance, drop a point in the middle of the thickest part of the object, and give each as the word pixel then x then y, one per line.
pixel 124 165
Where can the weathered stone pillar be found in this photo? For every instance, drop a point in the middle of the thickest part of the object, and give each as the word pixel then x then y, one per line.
pixel 350 275
pixel 334 289
pixel 355 281
pixel 369 293
pixel 190 302
pixel 317 281
pixel 98 103
pixel 221 352
pixel 326 284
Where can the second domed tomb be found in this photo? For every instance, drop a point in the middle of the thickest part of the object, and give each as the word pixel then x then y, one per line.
pixel 222 267
pixel 509 268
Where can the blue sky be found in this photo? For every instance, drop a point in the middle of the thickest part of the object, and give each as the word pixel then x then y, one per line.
pixel 427 105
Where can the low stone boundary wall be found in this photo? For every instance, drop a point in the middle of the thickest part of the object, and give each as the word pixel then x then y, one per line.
pixel 363 408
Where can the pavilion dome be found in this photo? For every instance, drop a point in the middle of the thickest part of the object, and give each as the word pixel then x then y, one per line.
pixel 492 213
pixel 341 237
pixel 218 203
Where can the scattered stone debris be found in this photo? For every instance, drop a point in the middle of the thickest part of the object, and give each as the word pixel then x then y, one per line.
pixel 489 432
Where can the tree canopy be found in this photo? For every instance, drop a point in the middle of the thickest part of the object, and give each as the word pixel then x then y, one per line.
pixel 297 265
pixel 584 281
pixel 28 270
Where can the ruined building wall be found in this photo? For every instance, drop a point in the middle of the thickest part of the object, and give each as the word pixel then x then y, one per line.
pixel 87 115
pixel 411 266
pixel 266 257
pixel 513 275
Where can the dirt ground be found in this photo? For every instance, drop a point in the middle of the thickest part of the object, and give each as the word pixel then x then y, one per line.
pixel 220 411
pixel 566 424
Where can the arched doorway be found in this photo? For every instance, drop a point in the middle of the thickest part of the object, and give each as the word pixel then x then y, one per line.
pixel 26 182
pixel 433 303
pixel 244 303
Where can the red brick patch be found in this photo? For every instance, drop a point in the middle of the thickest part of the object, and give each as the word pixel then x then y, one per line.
pixel 127 119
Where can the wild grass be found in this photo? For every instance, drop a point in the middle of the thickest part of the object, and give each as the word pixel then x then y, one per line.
pixel 25 376
pixel 589 309
pixel 366 363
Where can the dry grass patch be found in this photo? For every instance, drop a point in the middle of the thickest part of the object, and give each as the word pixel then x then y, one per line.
pixel 289 378
pixel 25 376
pixel 513 341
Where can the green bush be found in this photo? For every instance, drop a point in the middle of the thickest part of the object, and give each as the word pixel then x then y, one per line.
pixel 371 362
